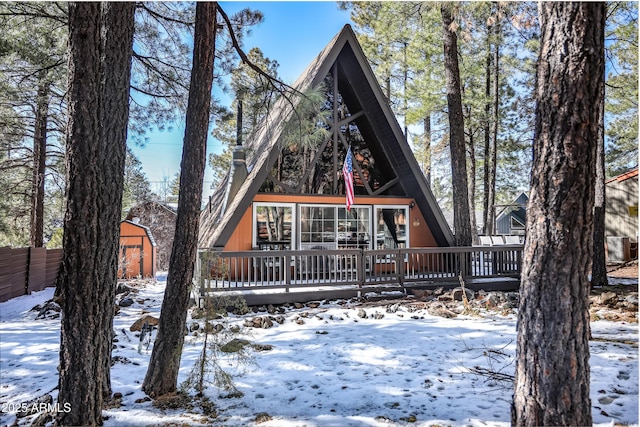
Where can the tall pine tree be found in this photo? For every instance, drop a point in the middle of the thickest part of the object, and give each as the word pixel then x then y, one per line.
pixel 552 357
pixel 100 46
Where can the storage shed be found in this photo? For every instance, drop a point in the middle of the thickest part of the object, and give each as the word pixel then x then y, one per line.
pixel 621 216
pixel 160 218
pixel 137 257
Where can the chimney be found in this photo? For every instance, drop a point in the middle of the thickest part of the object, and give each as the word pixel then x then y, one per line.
pixel 238 172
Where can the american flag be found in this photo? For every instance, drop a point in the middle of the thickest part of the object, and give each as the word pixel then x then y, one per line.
pixel 347 173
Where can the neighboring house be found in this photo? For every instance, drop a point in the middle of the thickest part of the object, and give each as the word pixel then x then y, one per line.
pixel 513 218
pixel 621 216
pixel 448 215
pixel 161 220
pixel 282 195
pixel 137 257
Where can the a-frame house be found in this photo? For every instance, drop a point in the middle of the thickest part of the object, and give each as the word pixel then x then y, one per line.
pixel 291 196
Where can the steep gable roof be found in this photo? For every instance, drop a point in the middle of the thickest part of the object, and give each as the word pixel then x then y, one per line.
pixel 146 230
pixel 623 177
pixel 517 209
pixel 361 90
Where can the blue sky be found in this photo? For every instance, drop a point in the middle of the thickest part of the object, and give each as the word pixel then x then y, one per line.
pixel 292 33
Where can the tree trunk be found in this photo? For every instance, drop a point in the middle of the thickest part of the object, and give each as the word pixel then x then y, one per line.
pixel 39 164
pixel 427 148
pixel 100 43
pixel 552 357
pixel 494 134
pixel 162 374
pixel 461 218
pixel 117 50
pixel 472 188
pixel 487 226
pixel 599 262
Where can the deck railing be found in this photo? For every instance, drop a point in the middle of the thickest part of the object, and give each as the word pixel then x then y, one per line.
pixel 250 270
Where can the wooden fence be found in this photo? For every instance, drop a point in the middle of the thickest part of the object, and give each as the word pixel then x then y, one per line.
pixel 251 270
pixel 25 270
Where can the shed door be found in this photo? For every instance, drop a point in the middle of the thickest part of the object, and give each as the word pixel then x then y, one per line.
pixel 130 261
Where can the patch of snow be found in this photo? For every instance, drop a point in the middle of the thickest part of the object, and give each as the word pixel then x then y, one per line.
pixel 334 368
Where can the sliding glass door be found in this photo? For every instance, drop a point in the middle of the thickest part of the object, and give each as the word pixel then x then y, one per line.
pixel 391 227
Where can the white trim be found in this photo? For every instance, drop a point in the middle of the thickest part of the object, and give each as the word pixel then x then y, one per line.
pixel 334 244
pixel 513 226
pixel 407 222
pixel 254 220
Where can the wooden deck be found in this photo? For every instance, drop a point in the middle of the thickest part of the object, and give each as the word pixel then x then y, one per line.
pixel 277 277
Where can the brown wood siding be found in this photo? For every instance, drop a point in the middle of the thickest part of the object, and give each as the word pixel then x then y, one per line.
pixel 25 270
pixel 37 269
pixel 143 265
pixel 13 272
pixel 240 240
pixel 420 235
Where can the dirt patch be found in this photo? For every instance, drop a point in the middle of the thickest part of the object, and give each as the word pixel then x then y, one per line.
pixel 628 270
pixel 616 302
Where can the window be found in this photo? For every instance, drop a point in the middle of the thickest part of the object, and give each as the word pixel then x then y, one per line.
pixel 516 224
pixel 354 227
pixel 391 227
pixel 273 226
pixel 333 227
pixel 317 226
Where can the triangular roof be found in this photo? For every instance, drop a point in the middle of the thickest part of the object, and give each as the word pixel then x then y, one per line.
pixel 517 209
pixel 163 206
pixel 361 89
pixel 146 229
pixel 623 177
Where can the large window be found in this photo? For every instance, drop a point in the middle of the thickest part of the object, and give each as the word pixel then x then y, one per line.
pixel 317 226
pixel 391 227
pixel 273 226
pixel 329 226
pixel 334 227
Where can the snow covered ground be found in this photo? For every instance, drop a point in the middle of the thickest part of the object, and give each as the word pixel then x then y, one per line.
pixel 328 366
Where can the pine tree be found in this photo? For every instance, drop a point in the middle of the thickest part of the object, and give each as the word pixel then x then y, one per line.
pixel 33 45
pixel 136 185
pixel 621 108
pixel 100 45
pixel 162 374
pixel 552 355
pixel 461 220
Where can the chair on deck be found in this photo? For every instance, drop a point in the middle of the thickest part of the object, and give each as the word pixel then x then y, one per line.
pixel 512 240
pixel 497 240
pixel 485 240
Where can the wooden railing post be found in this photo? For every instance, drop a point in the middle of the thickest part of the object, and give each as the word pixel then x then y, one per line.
pixel 400 267
pixel 360 267
pixel 286 259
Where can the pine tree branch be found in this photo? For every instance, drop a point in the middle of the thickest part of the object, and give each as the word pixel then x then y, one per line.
pixel 277 84
pixel 147 63
pixel 154 95
pixel 159 17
